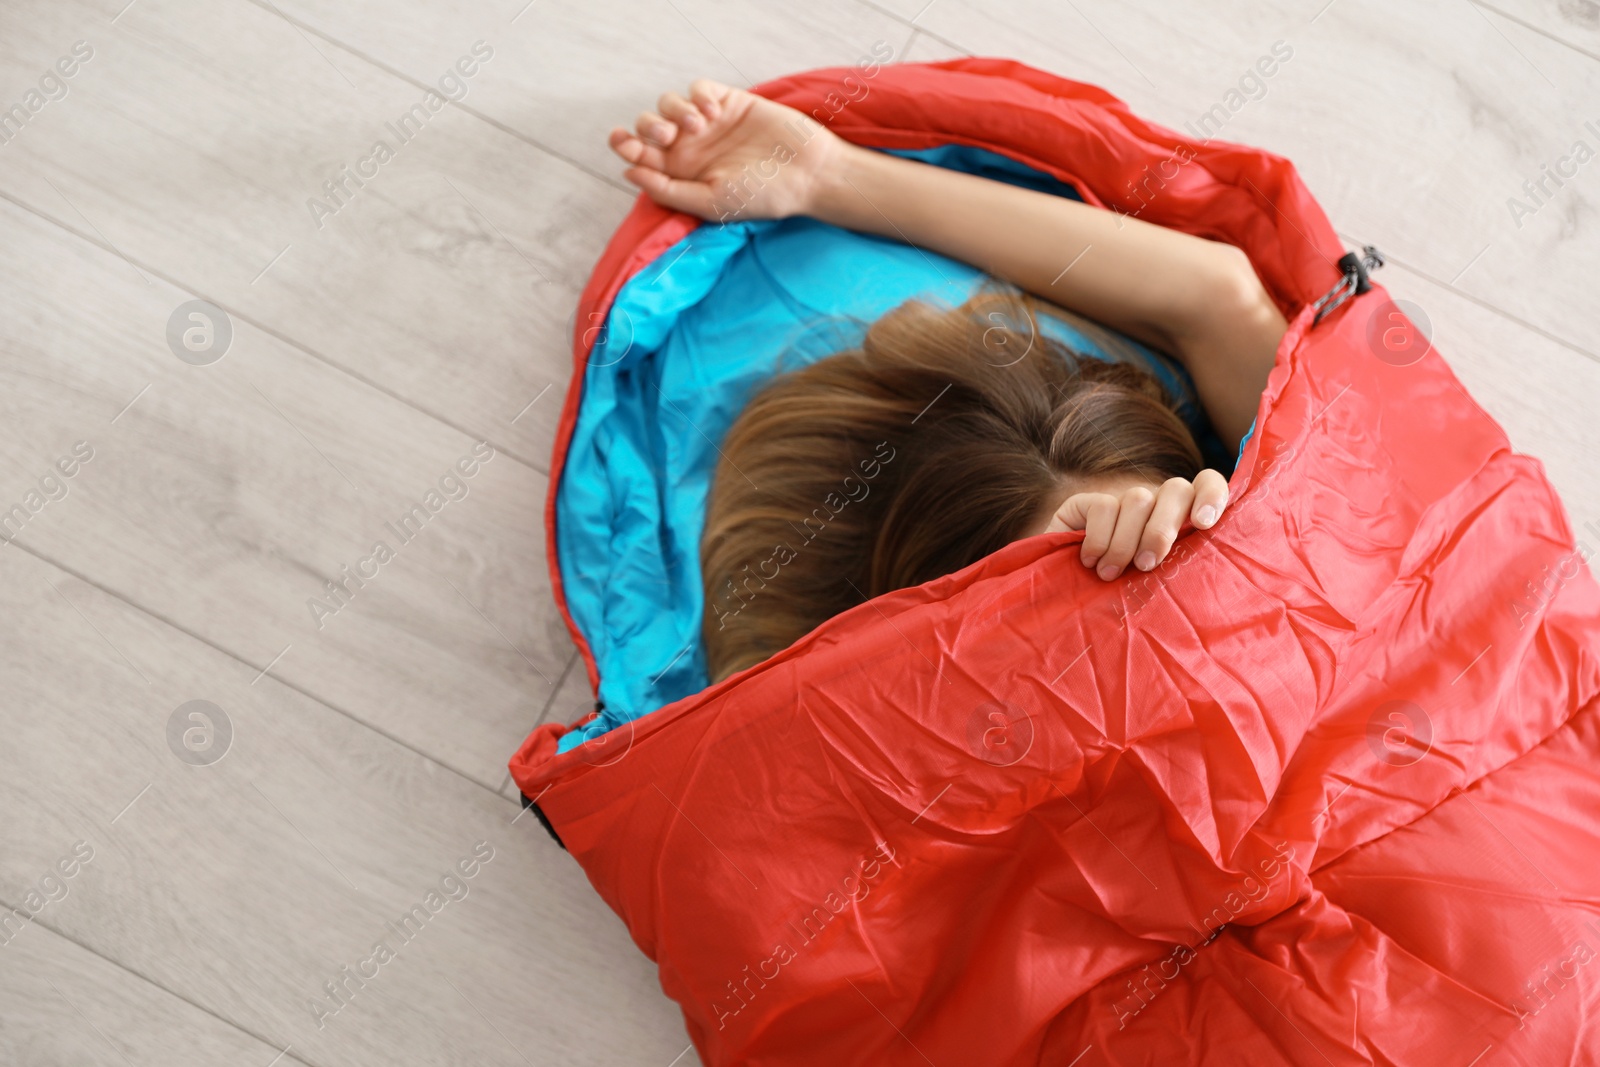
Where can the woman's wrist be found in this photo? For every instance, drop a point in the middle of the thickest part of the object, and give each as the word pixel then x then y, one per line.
pixel 836 196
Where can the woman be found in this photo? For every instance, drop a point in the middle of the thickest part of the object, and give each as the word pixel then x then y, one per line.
pixel 947 434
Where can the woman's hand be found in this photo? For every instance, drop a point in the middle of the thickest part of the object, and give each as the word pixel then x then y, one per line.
pixel 1139 524
pixel 726 154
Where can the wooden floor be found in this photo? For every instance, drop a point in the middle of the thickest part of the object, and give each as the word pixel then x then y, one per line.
pixel 375 340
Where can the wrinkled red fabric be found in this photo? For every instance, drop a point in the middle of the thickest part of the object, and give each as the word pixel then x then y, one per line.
pixel 1322 788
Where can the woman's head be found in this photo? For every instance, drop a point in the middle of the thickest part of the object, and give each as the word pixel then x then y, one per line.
pixel 946 435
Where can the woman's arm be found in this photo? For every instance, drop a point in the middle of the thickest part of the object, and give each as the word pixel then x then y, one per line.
pixel 1198 300
pixel 731 153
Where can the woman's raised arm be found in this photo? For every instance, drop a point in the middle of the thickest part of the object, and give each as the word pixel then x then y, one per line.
pixel 730 154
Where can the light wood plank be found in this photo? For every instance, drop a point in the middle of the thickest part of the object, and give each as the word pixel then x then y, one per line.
pixel 546 80
pixel 226 495
pixel 1576 23
pixel 925 48
pixel 242 886
pixel 197 134
pixel 64 1004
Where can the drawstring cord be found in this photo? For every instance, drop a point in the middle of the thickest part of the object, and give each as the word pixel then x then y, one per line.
pixel 1353 282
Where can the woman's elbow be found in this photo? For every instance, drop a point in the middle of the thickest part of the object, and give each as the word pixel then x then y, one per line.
pixel 1232 310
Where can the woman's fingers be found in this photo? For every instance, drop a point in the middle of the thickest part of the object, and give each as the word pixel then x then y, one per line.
pixel 708 96
pixel 1210 497
pixel 627 145
pixel 676 109
pixel 1140 525
pixel 648 171
pixel 1093 513
pixel 1132 516
pixel 1099 522
pixel 653 129
pixel 694 197
pixel 1172 505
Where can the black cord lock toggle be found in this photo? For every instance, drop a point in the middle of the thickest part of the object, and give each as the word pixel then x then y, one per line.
pixel 1355 280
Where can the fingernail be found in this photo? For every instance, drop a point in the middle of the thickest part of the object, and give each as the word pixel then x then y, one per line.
pixel 1107 572
pixel 693 123
pixel 1206 516
pixel 1090 561
pixel 660 131
pixel 1145 561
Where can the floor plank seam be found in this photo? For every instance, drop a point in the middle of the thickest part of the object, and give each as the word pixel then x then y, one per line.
pixel 287 684
pixel 1482 303
pixel 555 690
pixel 152 983
pixel 378 64
pixel 276 334
pixel 1540 30
pixel 912 22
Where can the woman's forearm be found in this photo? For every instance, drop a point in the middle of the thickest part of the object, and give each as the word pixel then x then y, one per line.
pixel 1198 300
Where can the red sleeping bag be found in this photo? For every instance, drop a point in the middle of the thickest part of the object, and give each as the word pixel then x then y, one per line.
pixel 1324 788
